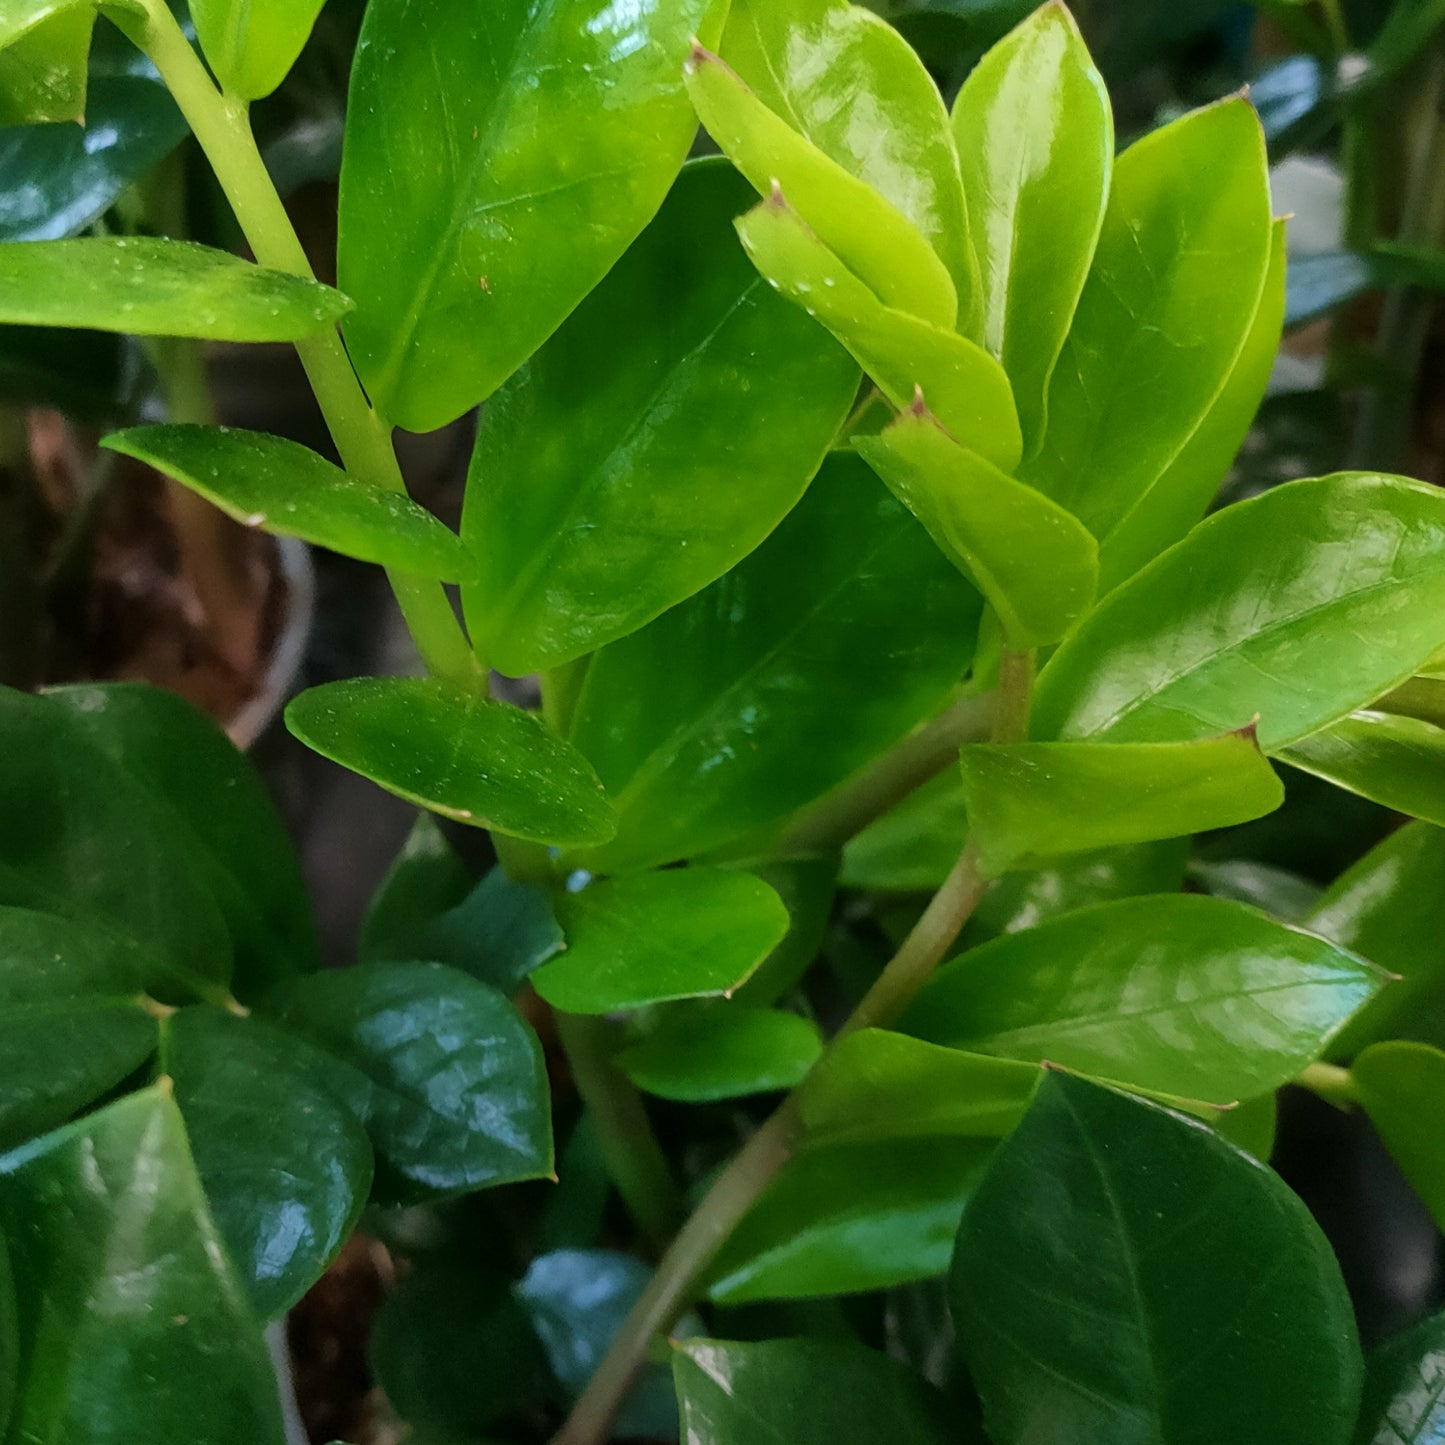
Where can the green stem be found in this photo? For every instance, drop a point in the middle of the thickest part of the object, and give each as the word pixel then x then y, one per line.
pixel 1333 1084
pixel 1335 21
pixel 633 1157
pixel 678 1278
pixel 221 125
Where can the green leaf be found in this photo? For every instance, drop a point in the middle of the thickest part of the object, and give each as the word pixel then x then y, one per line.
pixel 1398 762
pixel 1390 909
pixel 1404 1400
pixel 218 810
pixel 1251 1126
pixel 875 1085
pixel 132 1321
pixel 479 762
pixel 1339 579
pixel 964 384
pixel 1175 285
pixel 1035 139
pixel 682 933
pixel 593 505
pixel 475 141
pixel 847 82
pixel 9 1338
pixel 806 885
pixel 912 846
pixel 1029 802
pixel 1184 995
pixel 804 1392
pixel 146 287
pixel 1399 1086
pixel 252 44
pixel 701 1055
pixel 42 72
pixel 1288 896
pixel 72 1021
pixel 722 716
pixel 282 487
pixel 851 1218
pixel 441 1070
pixel 873 239
pixel 286 1167
pixel 1122 1274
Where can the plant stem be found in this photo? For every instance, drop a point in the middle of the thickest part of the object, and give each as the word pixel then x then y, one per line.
pixel 633 1157
pixel 221 125
pixel 1333 1084
pixel 739 1186
pixel 1335 20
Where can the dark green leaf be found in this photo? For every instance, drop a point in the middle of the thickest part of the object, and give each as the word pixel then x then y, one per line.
pixel 251 44
pixel 681 933
pixel 1189 996
pixel 593 505
pixel 475 140
pixel 1395 761
pixel 9 1339
pixel 484 763
pixel 1251 1126
pixel 723 714
pixel 806 886
pixel 1400 1087
pixel 1286 895
pixel 286 1167
pixel 132 1321
pixel 425 880
pixel 1123 1275
pixel 1404 265
pixel 1404 1400
pixel 145 287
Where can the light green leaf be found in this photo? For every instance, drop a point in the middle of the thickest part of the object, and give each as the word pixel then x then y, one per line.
pixel 282 487
pixel 1400 1086
pixel 1029 802
pixel 1398 762
pixel 484 763
pixel 682 933
pixel 252 44
pixel 145 287
pixel 43 70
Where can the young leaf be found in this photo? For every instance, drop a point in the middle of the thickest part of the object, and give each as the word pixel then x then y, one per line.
pixel 682 933
pixel 1122 1274
pixel 702 1055
pixel 441 1070
pixel 804 1392
pixel 1399 1085
pixel 1184 995
pixel 42 70
pixel 251 45
pixel 1029 802
pixel 484 763
pixel 1035 139
pixel 723 715
pixel 1174 287
pixel 474 141
pixel 1035 563
pixel 593 505
pixel 1404 1401
pixel 285 1166
pixel 872 238
pixel 145 287
pixel 135 1325
pixel 281 487
pixel 965 386
pixel 1337 579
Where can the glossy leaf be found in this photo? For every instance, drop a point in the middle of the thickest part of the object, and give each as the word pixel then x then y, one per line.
pixel 282 487
pixel 723 714
pixel 1035 563
pixel 1035 138
pixel 1189 996
pixel 1174 288
pixel 965 386
pixel 1288 896
pixel 846 81
pixel 1339 579
pixel 72 1018
pixel 1399 1085
pixel 1029 802
pixel 804 1392
pixel 596 501
pixel 1404 1401
pixel 1119 1278
pixel 441 1070
pixel 727 1052
pixel 482 137
pixel 851 1218
pixel 250 45
pixel 682 933
pixel 869 235
pixel 120 1277
pixel 1396 761
pixel 479 762
pixel 876 1085
pixel 146 287
pixel 42 70
pixel 285 1166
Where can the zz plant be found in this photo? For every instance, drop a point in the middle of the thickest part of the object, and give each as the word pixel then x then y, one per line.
pixel 844 493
